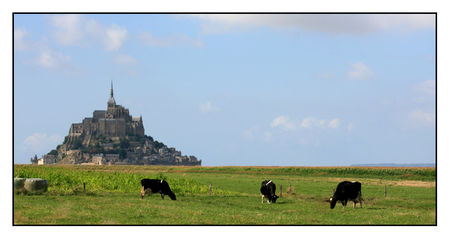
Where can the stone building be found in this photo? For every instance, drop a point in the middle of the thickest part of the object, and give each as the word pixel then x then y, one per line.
pixel 47 159
pixel 116 121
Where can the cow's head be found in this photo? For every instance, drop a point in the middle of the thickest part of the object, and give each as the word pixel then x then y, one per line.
pixel 172 196
pixel 332 201
pixel 274 198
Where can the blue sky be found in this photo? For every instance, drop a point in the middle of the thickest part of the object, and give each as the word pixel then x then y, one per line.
pixel 283 89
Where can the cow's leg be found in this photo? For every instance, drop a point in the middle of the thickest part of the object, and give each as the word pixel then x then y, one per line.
pixel 162 196
pixel 344 203
pixel 360 199
pixel 262 199
pixel 354 203
pixel 142 192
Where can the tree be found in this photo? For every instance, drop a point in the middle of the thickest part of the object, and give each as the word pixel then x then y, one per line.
pixel 53 152
pixel 124 143
pixel 34 160
pixel 123 153
pixel 158 145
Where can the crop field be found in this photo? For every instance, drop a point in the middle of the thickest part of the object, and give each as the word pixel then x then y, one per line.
pixel 392 196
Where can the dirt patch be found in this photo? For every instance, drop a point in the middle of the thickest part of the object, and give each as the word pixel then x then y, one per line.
pixel 406 183
pixel 414 183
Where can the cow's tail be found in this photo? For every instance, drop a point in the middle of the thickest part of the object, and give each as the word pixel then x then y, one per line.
pixel 142 192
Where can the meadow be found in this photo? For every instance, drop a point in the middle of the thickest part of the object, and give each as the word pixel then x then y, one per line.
pixel 393 196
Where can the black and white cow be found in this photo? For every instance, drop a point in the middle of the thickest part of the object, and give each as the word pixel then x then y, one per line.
pixel 156 186
pixel 347 191
pixel 268 189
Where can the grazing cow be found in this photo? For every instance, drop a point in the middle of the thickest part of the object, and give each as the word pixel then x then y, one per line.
pixel 346 191
pixel 156 186
pixel 268 189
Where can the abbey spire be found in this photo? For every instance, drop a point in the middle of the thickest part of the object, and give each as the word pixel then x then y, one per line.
pixel 112 92
pixel 111 101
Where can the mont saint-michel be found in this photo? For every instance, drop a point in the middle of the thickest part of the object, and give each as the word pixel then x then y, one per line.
pixel 110 137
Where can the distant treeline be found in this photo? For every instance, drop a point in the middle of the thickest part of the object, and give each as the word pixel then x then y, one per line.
pixel 395 165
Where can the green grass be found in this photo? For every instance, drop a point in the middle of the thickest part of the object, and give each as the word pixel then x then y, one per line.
pixel 112 196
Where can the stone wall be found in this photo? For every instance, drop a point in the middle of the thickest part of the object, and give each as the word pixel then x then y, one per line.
pixel 112 127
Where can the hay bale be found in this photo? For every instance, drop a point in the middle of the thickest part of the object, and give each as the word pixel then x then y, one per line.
pixel 36 185
pixel 19 184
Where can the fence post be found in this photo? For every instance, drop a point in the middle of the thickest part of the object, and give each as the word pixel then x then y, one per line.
pixel 84 187
pixel 385 191
pixel 210 189
pixel 281 190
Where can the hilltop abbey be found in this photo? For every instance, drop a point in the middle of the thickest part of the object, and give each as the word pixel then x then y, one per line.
pixel 113 136
pixel 116 121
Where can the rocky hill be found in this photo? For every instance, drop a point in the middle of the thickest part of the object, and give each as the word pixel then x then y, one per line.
pixel 110 137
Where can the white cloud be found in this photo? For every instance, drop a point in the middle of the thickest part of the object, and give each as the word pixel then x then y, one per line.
pixel 359 71
pixel 19 35
pixel 52 60
pixel 308 122
pixel 285 129
pixel 287 124
pixel 207 107
pixel 283 122
pixel 403 22
pixel 39 142
pixel 76 30
pixel 420 117
pixel 334 123
pixel 68 29
pixel 124 60
pixel 168 41
pixel 114 37
pixel 427 87
pixel 355 24
pixel 41 54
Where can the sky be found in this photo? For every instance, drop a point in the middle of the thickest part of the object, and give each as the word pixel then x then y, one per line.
pixel 235 89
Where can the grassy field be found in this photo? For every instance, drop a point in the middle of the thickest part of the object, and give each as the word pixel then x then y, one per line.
pixel 112 196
